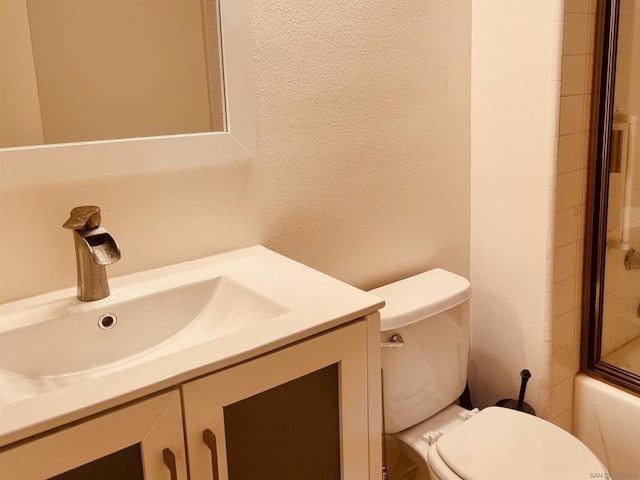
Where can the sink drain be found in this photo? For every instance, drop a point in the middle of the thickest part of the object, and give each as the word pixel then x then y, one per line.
pixel 107 321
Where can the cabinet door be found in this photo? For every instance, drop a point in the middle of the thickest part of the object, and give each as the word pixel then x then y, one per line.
pixel 141 441
pixel 297 413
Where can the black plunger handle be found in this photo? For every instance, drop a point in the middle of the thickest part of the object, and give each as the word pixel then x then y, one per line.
pixel 526 375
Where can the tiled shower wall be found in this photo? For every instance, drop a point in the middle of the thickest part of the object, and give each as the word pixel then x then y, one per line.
pixel 573 144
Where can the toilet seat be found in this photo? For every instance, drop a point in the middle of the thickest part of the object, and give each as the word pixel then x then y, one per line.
pixel 500 443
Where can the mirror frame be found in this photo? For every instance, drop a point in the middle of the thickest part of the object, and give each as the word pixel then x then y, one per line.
pixel 597 202
pixel 56 162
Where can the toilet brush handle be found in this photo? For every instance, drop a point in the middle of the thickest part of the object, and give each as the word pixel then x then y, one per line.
pixel 526 375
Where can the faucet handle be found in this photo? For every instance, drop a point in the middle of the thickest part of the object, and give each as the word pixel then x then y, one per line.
pixel 86 217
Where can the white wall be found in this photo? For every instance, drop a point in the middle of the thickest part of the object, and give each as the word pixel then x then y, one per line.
pixel 514 128
pixel 362 167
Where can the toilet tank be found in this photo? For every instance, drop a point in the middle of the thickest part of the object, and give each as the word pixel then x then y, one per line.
pixel 430 312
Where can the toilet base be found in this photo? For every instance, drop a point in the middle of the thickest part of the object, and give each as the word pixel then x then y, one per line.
pixel 408 447
pixel 399 464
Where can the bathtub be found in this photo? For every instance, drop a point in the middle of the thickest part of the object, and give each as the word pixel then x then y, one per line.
pixel 607 420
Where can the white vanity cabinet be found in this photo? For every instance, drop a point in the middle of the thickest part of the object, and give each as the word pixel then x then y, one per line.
pixel 299 412
pixel 307 410
pixel 143 440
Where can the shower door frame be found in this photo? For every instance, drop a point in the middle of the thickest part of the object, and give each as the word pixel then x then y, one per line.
pixel 597 202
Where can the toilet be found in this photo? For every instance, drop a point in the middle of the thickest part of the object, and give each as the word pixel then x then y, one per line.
pixel 425 331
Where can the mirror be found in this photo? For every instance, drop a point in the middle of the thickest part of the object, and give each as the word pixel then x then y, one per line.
pixel 62 161
pixel 83 70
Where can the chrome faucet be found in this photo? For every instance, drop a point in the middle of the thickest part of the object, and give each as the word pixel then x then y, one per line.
pixel 95 248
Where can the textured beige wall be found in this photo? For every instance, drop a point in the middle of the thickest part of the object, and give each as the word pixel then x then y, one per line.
pixel 363 135
pixel 515 96
pixel 362 166
pixel 534 321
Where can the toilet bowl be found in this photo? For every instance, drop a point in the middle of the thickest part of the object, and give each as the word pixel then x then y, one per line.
pixel 425 329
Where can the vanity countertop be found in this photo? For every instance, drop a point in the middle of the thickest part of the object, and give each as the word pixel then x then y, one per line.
pixel 312 302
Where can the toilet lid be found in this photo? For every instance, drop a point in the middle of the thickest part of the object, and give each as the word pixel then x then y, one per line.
pixel 502 443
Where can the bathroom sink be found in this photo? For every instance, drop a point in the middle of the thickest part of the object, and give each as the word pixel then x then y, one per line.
pixel 69 337
pixel 62 359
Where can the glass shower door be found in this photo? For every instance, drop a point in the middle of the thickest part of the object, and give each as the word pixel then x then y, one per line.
pixel 620 337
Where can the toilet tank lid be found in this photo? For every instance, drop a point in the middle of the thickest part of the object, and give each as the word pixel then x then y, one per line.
pixel 415 298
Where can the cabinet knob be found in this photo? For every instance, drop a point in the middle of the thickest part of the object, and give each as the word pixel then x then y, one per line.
pixel 209 439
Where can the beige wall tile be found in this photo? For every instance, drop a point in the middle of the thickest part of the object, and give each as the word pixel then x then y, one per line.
pixel 575 33
pixel 566 230
pixel 569 152
pixel 564 329
pixel 573 74
pixel 564 363
pixel 586 113
pixel 576 6
pixel 564 297
pixel 561 397
pixel 582 222
pixel 580 257
pixel 588 74
pixel 564 420
pixel 591 34
pixel 584 178
pixel 585 150
pixel 571 111
pixel 568 188
pixel 565 262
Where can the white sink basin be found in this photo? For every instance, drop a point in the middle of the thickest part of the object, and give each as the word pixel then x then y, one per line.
pixel 69 339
